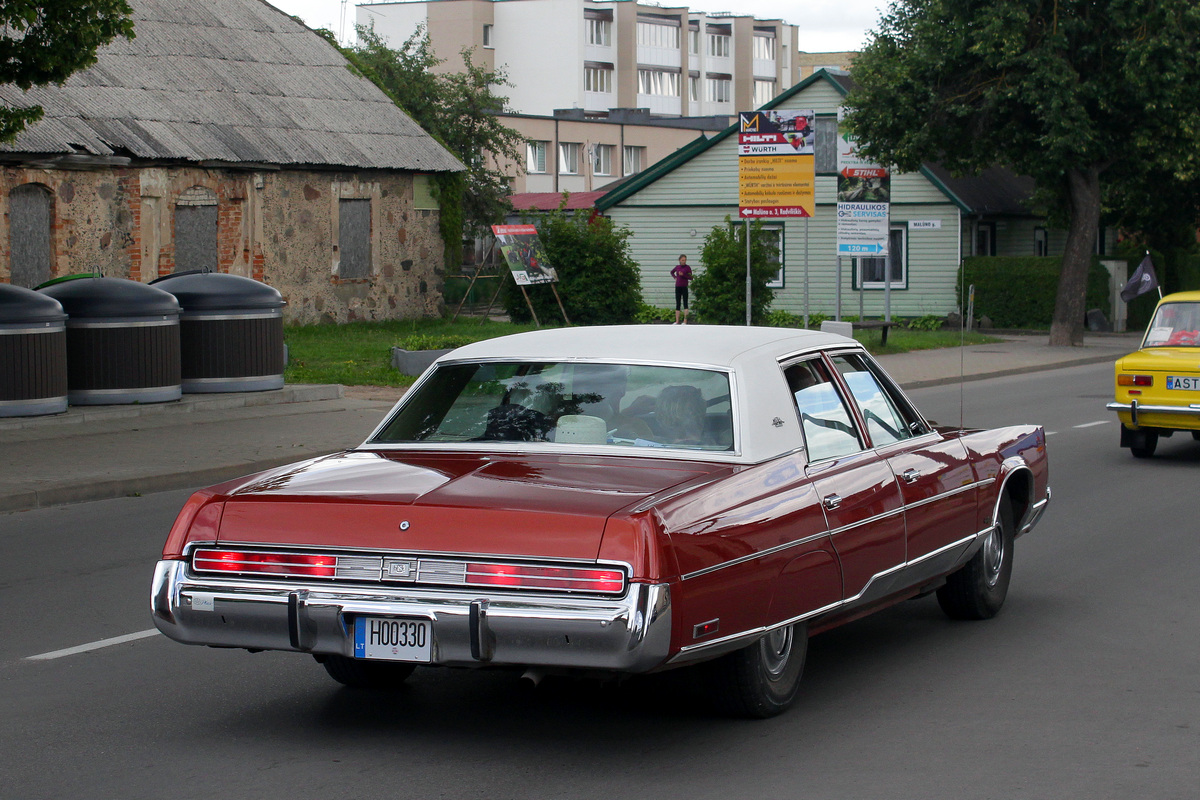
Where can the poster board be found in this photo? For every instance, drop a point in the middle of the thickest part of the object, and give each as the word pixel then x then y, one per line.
pixel 776 164
pixel 523 252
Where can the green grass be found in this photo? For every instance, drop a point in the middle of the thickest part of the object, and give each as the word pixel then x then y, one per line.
pixel 902 340
pixel 360 353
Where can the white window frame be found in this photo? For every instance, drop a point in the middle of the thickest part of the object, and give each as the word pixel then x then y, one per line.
pixel 764 47
pixel 631 159
pixel 602 159
pixel 488 30
pixel 764 92
pixel 694 41
pixel 599 32
pixel 718 45
pixel 778 230
pixel 568 158
pixel 694 88
pixel 597 79
pixel 659 83
pixel 720 90
pixel 653 34
pixel 897 253
pixel 535 157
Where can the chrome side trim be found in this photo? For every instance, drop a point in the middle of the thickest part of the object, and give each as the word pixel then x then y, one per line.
pixel 778 548
pixel 734 640
pixel 968 487
pixel 760 554
pixel 869 520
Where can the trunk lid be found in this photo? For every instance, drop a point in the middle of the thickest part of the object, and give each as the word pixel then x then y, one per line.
pixel 541 506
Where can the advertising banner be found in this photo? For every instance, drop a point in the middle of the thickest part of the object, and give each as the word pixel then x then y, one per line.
pixel 863 201
pixel 524 255
pixel 776 164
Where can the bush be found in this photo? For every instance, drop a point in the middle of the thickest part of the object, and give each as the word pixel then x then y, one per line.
pixel 929 322
pixel 720 290
pixel 1019 292
pixel 648 314
pixel 430 341
pixel 597 280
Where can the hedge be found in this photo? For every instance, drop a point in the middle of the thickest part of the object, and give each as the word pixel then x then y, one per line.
pixel 1019 292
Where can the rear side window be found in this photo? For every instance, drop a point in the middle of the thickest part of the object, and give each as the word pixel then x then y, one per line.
pixel 828 426
pixel 888 419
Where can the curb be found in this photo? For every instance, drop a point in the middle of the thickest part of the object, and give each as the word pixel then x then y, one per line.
pixel 1004 373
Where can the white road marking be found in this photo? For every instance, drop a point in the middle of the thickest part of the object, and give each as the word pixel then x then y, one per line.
pixel 83 648
pixel 1094 424
pixel 1051 433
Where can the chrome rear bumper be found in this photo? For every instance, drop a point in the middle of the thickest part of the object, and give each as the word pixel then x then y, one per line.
pixel 625 634
pixel 1134 408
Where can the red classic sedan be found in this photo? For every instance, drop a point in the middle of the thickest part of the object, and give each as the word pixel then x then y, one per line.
pixel 611 500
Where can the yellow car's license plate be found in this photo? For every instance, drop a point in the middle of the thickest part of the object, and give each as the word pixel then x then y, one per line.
pixel 1190 383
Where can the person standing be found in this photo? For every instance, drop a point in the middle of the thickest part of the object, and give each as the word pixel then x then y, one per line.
pixel 682 274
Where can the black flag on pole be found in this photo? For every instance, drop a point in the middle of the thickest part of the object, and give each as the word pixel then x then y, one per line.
pixel 1143 280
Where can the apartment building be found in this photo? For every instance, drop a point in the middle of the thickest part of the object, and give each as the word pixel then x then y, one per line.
pixel 573 151
pixel 596 56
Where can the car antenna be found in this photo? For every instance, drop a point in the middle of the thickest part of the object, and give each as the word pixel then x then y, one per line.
pixel 966 310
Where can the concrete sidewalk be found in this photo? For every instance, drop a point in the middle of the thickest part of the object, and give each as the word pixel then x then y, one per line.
pixel 99 452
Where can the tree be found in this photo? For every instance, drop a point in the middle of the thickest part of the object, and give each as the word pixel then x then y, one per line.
pixel 458 109
pixel 598 281
pixel 720 290
pixel 1078 94
pixel 45 42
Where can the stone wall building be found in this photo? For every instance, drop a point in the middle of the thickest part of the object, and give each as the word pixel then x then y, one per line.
pixel 227 136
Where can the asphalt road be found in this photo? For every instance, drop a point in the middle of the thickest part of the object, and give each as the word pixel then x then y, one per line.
pixel 1086 686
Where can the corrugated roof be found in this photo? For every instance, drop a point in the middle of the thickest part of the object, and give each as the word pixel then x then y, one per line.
pixel 227 80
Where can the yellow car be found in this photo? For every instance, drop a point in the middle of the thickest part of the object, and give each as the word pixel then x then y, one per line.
pixel 1158 387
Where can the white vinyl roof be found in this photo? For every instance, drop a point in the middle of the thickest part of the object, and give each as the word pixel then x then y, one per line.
pixel 719 346
pixel 765 417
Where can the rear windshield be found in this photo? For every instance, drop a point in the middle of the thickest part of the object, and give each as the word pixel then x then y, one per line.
pixel 1174 325
pixel 567 403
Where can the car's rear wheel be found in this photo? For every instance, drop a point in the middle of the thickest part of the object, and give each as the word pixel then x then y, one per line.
pixel 977 590
pixel 1143 442
pixel 362 674
pixel 761 680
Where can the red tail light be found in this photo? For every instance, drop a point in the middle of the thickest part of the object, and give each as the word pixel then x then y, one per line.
pixel 1135 380
pixel 300 564
pixel 554 578
pixel 362 568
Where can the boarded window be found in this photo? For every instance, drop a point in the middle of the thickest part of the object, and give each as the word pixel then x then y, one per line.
pixel 196 230
pixel 29 235
pixel 354 239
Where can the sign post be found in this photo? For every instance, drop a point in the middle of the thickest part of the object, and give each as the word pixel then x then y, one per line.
pixel 863 210
pixel 776 169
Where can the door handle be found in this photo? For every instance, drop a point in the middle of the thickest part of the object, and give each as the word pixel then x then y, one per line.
pixel 831 501
pixel 910 475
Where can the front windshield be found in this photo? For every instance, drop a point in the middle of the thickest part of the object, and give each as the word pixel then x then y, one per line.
pixel 567 403
pixel 1174 325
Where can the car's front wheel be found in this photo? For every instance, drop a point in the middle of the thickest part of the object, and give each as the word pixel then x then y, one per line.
pixel 362 674
pixel 977 590
pixel 761 680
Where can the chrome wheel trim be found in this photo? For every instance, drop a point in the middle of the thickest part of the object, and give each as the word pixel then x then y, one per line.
pixel 776 651
pixel 993 555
